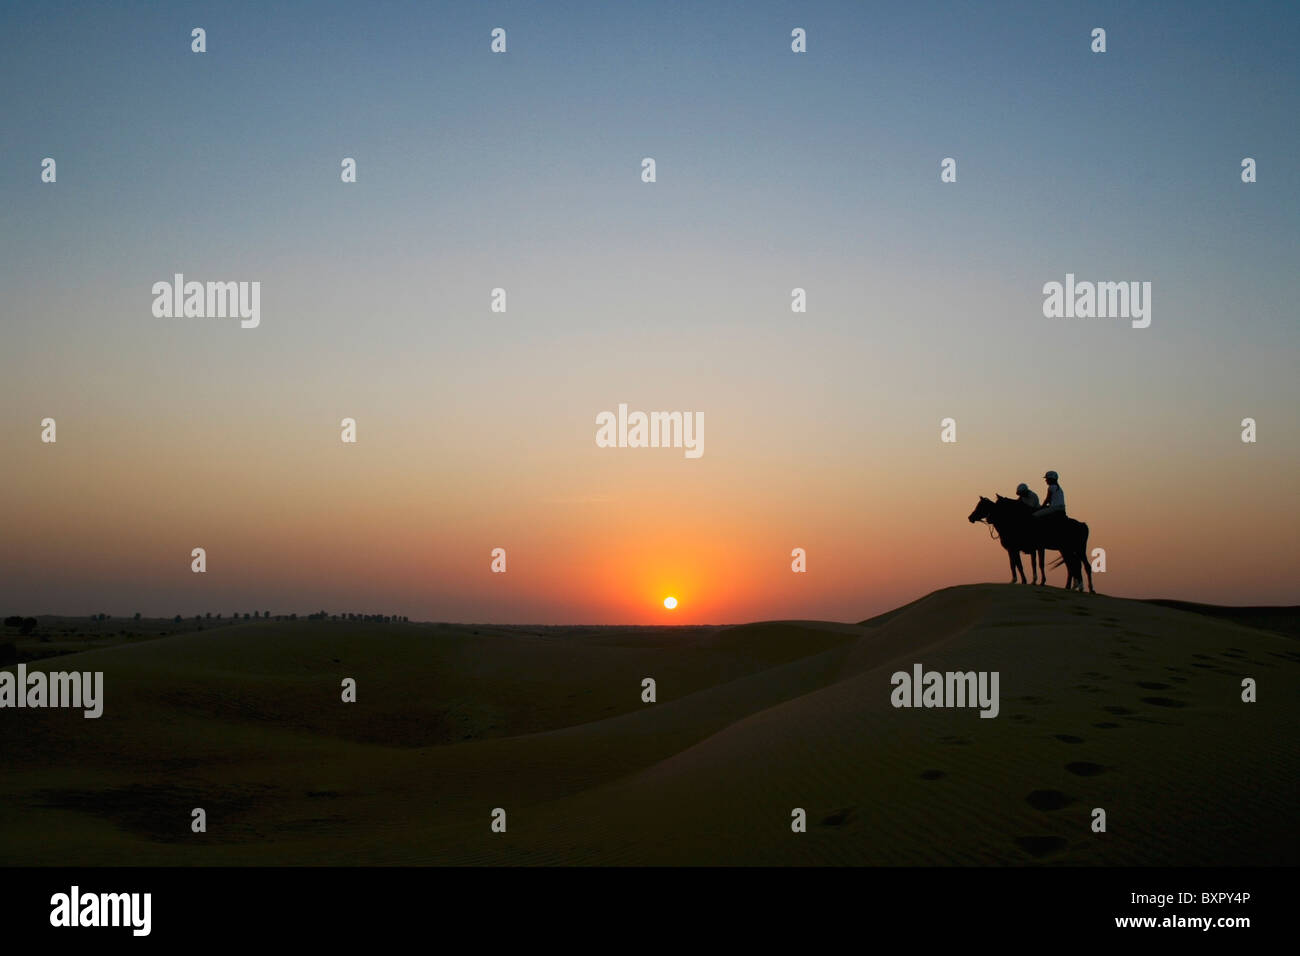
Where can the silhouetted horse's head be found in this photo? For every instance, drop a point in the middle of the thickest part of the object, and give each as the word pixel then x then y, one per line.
pixel 983 511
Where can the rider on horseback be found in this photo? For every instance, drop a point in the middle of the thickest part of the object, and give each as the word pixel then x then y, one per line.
pixel 1027 497
pixel 1055 498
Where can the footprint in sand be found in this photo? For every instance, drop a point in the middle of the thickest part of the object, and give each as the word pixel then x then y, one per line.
pixel 1082 768
pixel 1048 800
pixel 932 774
pixel 1107 725
pixel 1119 711
pixel 1041 846
pixel 1097 675
pixel 955 741
pixel 837 818
pixel 1068 738
pixel 1022 718
pixel 1152 685
pixel 1164 702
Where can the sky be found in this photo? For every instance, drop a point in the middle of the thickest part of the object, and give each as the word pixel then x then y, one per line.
pixel 775 170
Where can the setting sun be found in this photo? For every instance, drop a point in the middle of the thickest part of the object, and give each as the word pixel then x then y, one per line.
pixel 670 602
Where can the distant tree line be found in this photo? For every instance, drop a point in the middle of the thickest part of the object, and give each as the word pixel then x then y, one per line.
pixel 316 616
pixel 26 625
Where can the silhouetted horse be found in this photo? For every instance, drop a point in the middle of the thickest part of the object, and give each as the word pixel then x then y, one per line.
pixel 984 511
pixel 1019 531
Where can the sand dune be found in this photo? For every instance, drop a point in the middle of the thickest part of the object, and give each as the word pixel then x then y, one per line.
pixel 1129 706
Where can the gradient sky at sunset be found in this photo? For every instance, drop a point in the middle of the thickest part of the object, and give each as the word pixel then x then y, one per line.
pixel 522 171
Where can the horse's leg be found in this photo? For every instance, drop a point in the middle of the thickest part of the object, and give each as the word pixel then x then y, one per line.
pixel 1042 564
pixel 1087 565
pixel 1016 565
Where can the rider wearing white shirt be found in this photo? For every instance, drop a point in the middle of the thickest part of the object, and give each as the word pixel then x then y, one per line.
pixel 1055 500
